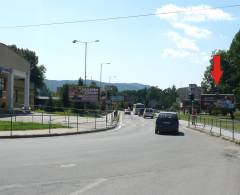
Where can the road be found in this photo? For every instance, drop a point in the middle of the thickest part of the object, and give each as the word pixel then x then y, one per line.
pixel 129 160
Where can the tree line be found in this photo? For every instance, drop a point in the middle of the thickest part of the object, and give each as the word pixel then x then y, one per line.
pixel 230 64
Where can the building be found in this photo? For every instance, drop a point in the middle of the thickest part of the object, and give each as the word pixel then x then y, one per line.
pixel 14 80
pixel 184 93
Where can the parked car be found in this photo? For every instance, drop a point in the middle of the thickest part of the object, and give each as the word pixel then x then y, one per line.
pixel 127 111
pixel 148 112
pixel 167 122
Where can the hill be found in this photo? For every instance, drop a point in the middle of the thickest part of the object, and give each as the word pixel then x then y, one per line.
pixel 54 84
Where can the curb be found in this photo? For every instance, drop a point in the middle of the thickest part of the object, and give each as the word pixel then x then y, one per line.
pixel 215 135
pixel 58 134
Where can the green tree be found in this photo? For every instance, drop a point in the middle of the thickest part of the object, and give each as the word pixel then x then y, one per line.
pixel 65 95
pixel 230 61
pixel 37 71
pixel 80 82
pixel 93 84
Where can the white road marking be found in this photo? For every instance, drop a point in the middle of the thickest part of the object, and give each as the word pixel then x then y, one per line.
pixel 89 186
pixel 67 165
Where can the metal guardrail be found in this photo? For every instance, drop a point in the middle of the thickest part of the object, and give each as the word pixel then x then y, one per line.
pixel 79 120
pixel 211 123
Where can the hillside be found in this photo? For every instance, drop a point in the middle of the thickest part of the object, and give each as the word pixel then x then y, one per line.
pixel 54 84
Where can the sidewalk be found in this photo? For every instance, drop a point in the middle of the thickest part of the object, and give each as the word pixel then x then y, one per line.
pixel 81 128
pixel 216 131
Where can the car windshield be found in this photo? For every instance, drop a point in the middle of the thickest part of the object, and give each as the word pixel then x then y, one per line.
pixel 149 110
pixel 139 106
pixel 167 116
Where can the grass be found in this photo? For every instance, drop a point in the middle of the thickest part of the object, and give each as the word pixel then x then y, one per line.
pixel 24 126
pixel 226 122
pixel 69 113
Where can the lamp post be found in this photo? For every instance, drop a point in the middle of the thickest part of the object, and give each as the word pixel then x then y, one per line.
pixel 86 45
pixel 101 72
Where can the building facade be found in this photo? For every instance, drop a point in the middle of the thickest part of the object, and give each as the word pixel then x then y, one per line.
pixel 184 100
pixel 14 80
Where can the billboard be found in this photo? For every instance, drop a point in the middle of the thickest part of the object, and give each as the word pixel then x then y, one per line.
pixel 83 94
pixel 210 101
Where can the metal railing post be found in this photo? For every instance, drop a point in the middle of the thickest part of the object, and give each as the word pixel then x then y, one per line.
pixel 220 127
pixel 49 129
pixel 11 126
pixel 77 122
pixel 233 130
pixel 189 120
pixel 211 127
pixel 32 122
pixel 96 120
pixel 42 118
pixel 68 120
pixel 106 120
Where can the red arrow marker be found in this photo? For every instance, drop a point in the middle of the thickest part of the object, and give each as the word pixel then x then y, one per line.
pixel 217 71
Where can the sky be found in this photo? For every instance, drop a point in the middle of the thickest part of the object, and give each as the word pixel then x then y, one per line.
pixel 159 50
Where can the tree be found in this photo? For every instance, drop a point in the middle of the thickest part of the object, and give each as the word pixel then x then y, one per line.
pixel 49 104
pixel 65 95
pixel 93 84
pixel 44 91
pixel 80 82
pixel 37 71
pixel 153 96
pixel 230 80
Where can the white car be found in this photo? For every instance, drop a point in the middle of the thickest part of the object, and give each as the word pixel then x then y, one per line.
pixel 127 111
pixel 148 112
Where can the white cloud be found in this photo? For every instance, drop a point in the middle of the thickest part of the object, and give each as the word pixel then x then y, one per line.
pixel 200 58
pixel 182 42
pixel 198 13
pixel 192 31
pixel 174 53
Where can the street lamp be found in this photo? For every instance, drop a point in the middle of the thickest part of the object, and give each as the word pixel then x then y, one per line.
pixel 101 72
pixel 86 43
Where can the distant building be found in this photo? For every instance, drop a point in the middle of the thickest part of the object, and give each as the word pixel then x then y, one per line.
pixel 184 93
pixel 14 80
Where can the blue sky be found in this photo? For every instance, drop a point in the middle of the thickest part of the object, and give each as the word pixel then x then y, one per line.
pixel 159 50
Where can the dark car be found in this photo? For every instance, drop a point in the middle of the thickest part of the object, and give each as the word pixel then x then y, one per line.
pixel 141 111
pixel 167 122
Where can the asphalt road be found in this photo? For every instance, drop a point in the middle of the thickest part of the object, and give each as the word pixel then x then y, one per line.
pixel 130 160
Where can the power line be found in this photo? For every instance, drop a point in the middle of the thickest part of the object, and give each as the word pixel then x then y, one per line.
pixel 116 18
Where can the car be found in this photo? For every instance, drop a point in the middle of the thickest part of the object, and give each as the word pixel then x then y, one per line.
pixel 167 122
pixel 148 112
pixel 127 111
pixel 140 112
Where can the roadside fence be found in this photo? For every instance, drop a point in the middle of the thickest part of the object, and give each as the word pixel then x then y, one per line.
pixel 66 121
pixel 220 127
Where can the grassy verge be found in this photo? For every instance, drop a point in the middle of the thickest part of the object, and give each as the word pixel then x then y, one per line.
pixel 69 113
pixel 225 123
pixel 23 126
